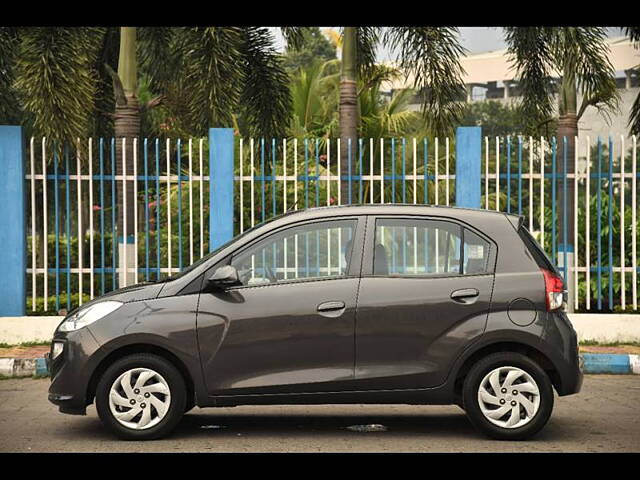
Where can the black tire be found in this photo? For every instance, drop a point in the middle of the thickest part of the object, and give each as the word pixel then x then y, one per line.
pixel 177 388
pixel 472 384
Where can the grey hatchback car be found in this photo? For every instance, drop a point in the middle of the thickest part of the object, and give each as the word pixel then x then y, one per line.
pixel 367 304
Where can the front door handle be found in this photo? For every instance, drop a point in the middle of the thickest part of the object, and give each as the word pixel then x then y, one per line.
pixel 466 295
pixel 330 306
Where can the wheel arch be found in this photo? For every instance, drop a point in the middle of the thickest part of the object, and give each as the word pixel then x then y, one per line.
pixel 134 348
pixel 521 347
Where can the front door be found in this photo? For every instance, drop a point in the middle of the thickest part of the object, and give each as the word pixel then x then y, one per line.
pixel 290 326
pixel 424 295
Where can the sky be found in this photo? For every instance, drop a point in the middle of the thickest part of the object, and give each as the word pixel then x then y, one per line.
pixel 474 39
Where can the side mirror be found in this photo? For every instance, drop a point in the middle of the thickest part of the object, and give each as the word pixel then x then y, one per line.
pixel 224 277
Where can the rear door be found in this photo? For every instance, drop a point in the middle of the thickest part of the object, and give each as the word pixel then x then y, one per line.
pixel 425 293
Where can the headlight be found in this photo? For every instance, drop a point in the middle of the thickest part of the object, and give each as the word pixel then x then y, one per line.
pixel 88 315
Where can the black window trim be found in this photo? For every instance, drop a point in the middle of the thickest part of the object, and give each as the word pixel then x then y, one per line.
pixel 371 229
pixel 353 272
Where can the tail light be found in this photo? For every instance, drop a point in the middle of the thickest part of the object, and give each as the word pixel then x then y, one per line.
pixel 554 290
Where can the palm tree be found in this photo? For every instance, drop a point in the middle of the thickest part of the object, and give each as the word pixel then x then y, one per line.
pixel 579 55
pixel 63 80
pixel 634 117
pixel 430 55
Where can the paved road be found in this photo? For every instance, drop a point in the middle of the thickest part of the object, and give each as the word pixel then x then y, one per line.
pixel 603 417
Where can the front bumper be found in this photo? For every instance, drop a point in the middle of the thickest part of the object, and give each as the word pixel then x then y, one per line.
pixel 71 371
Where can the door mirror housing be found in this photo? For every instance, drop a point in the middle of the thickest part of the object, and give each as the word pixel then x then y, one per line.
pixel 226 276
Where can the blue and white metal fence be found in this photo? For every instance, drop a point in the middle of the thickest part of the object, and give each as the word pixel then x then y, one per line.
pixel 194 194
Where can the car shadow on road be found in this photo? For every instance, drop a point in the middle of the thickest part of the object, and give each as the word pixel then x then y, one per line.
pixel 209 424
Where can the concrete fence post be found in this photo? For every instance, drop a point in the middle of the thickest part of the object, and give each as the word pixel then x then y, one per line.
pixel 468 156
pixel 221 186
pixel 13 255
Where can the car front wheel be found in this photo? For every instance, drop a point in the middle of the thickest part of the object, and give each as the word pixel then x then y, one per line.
pixel 507 396
pixel 141 397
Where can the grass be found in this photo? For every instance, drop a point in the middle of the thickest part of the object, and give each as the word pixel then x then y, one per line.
pixel 36 343
pixel 595 343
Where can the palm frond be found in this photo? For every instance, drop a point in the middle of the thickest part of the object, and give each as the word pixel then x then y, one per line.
pixel 55 79
pixel 366 45
pixel 9 106
pixel 432 56
pixel 584 51
pixel 530 52
pixel 294 36
pixel 208 85
pixel 265 100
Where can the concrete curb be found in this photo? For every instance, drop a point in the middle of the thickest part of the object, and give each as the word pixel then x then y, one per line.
pixel 593 363
pixel 23 367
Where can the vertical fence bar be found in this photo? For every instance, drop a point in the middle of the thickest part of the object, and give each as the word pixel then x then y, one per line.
pixel 114 238
pixel 599 221
pixel 91 247
pixel 381 171
pixel 530 184
pixel 102 205
pixel 80 236
pixel 56 202
pixel 158 198
pixel 576 211
pixel 447 188
pixel 486 173
pixel 435 179
pixel 622 253
pixel 67 222
pixel 169 251
pixel 146 209
pixel 125 235
pixel 587 234
pixel 498 174
pixel 45 233
pixel 634 233
pixel 415 185
pixel 508 174
pixel 610 219
pixel 554 176
pixel 221 181
pixel 425 148
pixel 404 174
pixel 191 199
pixel 202 199
pixel 371 170
pixel 179 172
pixel 135 210
pixel 33 223
pixel 565 267
pixel 519 175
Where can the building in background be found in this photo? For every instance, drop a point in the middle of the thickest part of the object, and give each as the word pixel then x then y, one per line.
pixel 490 76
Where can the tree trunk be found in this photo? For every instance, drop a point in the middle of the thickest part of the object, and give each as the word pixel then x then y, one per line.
pixel 567 129
pixel 127 126
pixel 348 110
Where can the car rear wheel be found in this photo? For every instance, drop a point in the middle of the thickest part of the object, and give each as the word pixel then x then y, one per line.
pixel 507 396
pixel 141 397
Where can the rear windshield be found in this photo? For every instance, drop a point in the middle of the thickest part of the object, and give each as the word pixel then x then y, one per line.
pixel 536 250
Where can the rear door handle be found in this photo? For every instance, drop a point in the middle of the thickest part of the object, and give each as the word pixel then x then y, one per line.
pixel 465 294
pixel 330 306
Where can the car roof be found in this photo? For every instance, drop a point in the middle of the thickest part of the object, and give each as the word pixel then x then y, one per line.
pixel 392 209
